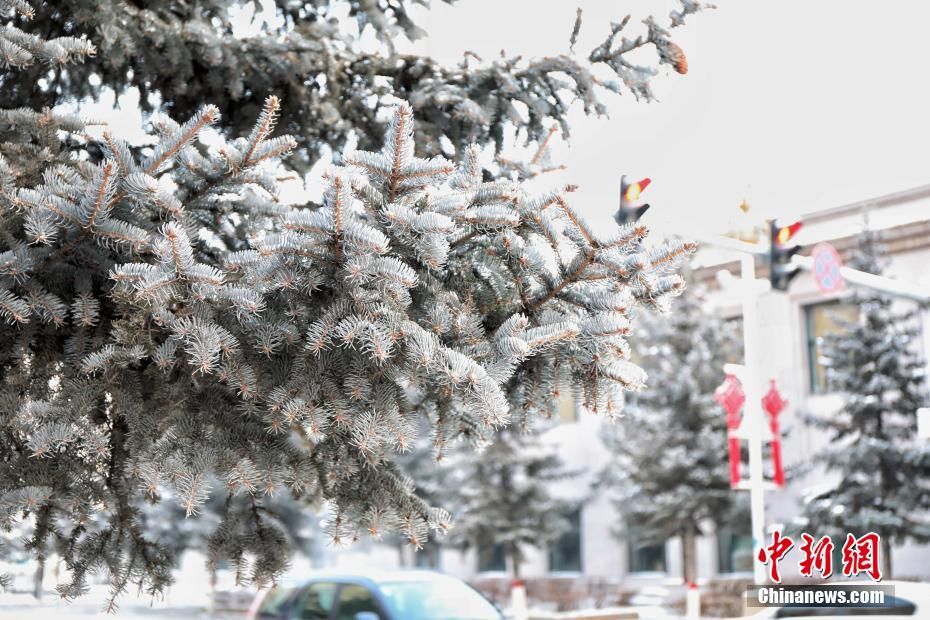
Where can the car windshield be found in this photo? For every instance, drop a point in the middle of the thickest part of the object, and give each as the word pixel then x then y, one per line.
pixel 436 599
pixel 274 601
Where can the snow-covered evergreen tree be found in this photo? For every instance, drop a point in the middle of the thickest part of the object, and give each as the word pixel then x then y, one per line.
pixel 169 323
pixel 506 503
pixel 671 470
pixel 504 496
pixel 31 137
pixel 882 469
pixel 168 320
pixel 334 80
pixel 432 475
pixel 31 142
pixel 166 521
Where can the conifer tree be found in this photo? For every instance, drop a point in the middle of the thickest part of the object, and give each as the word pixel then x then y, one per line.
pixel 166 522
pixel 505 496
pixel 881 471
pixel 172 330
pixel 500 495
pixel 159 333
pixel 671 447
pixel 332 82
pixel 432 477
pixel 30 136
pixel 30 142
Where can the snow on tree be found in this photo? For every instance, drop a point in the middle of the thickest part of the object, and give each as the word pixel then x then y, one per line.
pixel 432 477
pixel 188 53
pixel 171 329
pixel 169 320
pixel 671 469
pixel 500 495
pixel 30 143
pixel 30 137
pixel 20 49
pixel 166 521
pixel 504 496
pixel 882 470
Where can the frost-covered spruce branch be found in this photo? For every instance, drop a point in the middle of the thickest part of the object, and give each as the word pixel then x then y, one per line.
pixel 478 100
pixel 169 323
pixel 29 139
pixel 19 49
pixel 93 425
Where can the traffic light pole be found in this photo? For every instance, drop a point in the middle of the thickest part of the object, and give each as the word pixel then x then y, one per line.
pixel 752 427
pixel 753 424
pixel 870 280
pixel 753 421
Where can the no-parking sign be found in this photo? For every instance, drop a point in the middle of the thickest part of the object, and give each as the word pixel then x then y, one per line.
pixel 826 270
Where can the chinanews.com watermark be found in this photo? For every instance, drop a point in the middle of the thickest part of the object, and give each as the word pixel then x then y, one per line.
pixel 860 557
pixel 824 595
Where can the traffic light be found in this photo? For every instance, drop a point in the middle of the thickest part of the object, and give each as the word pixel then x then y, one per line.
pixel 780 252
pixel 630 210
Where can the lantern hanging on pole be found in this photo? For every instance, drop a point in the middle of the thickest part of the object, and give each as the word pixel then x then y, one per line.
pixel 731 396
pixel 774 404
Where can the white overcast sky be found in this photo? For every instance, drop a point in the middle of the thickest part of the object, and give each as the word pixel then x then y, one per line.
pixel 792 105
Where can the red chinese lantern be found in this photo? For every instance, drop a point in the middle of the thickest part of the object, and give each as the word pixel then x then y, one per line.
pixel 731 396
pixel 774 404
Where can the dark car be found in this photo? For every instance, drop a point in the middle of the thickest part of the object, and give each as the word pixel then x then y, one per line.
pixel 400 595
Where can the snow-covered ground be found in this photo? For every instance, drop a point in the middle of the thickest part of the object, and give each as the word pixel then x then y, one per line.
pixel 189 597
pixel 21 606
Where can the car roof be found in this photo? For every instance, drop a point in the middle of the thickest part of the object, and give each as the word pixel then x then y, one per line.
pixel 370 577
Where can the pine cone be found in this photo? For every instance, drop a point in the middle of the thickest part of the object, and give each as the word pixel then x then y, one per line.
pixel 676 56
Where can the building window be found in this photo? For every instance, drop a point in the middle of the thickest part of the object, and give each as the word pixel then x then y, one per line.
pixel 565 551
pixel 823 320
pixel 645 557
pixel 567 407
pixel 734 552
pixel 492 557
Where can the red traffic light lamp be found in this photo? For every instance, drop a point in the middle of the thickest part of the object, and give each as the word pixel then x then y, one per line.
pixel 633 190
pixel 786 233
pixel 630 208
pixel 781 250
